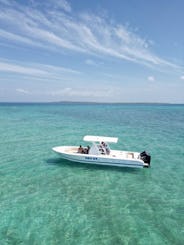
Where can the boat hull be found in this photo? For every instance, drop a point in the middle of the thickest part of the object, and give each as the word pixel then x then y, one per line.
pixel 116 158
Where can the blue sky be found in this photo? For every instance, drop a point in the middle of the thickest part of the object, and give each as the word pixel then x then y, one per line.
pixel 100 50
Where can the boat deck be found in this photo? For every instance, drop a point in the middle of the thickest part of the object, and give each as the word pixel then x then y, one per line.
pixel 113 153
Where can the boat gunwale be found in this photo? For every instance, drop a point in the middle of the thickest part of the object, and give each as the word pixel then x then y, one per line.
pixel 110 156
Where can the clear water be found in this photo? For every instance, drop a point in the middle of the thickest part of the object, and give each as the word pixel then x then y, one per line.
pixel 46 200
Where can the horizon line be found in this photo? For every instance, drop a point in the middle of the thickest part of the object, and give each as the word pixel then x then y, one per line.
pixel 86 102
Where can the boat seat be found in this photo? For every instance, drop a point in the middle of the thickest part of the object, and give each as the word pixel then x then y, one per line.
pixel 130 155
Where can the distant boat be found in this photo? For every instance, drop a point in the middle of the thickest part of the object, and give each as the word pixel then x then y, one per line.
pixel 100 153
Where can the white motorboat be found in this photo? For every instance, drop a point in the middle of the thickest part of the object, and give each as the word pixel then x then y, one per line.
pixel 100 153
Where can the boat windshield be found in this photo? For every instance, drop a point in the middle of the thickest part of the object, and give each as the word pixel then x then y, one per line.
pixel 99 148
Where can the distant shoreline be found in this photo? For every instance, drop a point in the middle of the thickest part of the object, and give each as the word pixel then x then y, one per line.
pixel 88 103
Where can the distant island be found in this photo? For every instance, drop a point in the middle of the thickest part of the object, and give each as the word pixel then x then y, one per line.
pixel 87 103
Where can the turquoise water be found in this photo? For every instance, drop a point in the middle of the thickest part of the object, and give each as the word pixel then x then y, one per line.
pixel 46 200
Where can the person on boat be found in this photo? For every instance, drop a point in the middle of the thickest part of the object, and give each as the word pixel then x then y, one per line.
pixel 86 150
pixel 101 148
pixel 80 149
pixel 105 147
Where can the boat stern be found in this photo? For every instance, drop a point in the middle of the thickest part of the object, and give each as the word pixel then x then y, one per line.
pixel 146 158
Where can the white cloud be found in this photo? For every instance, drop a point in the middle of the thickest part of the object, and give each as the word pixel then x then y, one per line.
pixel 40 70
pixel 182 77
pixel 53 4
pixel 5 35
pixel 22 91
pixel 52 28
pixel 7 67
pixel 151 78
pixel 62 4
pixel 83 93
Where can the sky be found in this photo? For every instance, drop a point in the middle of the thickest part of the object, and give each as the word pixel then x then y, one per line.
pixel 95 51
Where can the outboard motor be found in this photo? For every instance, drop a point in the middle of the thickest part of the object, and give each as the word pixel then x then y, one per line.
pixel 145 157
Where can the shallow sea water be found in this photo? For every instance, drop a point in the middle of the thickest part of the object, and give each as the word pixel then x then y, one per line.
pixel 47 200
